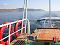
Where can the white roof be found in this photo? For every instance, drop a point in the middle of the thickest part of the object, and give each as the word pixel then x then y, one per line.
pixel 51 18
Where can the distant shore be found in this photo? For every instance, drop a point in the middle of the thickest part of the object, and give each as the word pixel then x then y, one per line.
pixel 7 10
pixel 18 10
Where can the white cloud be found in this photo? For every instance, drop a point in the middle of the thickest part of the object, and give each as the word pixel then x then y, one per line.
pixel 6 6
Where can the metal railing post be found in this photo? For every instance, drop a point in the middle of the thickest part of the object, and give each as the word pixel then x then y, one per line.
pixel 9 32
pixel 25 27
pixel 28 27
pixel 22 27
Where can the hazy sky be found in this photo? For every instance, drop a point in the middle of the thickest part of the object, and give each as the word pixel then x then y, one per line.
pixel 41 4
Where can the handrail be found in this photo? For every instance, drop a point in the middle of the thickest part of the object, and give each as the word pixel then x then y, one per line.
pixel 11 34
pixel 10 23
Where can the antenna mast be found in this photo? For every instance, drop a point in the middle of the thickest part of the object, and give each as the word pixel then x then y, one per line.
pixel 25 14
pixel 50 13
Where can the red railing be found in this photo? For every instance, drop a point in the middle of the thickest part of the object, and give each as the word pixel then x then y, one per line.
pixel 12 30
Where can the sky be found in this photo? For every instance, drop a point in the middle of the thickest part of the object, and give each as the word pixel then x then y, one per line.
pixel 36 4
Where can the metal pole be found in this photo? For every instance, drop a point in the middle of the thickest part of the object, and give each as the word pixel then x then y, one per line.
pixel 9 33
pixel 26 9
pixel 44 23
pixel 22 27
pixel 50 13
pixel 25 27
pixel 25 15
pixel 28 27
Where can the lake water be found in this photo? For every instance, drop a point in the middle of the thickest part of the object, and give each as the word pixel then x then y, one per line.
pixel 12 16
pixel 32 15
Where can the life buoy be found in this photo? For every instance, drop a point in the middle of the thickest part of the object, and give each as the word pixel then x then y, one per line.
pixel 16 27
pixel 2 33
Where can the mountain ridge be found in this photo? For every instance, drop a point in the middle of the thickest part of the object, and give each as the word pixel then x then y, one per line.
pixel 19 9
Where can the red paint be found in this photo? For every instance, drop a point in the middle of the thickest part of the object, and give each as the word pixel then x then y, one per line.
pixel 11 31
pixel 1 35
pixel 54 39
pixel 16 28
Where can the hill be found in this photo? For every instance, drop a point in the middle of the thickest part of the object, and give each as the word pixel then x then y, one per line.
pixel 18 10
